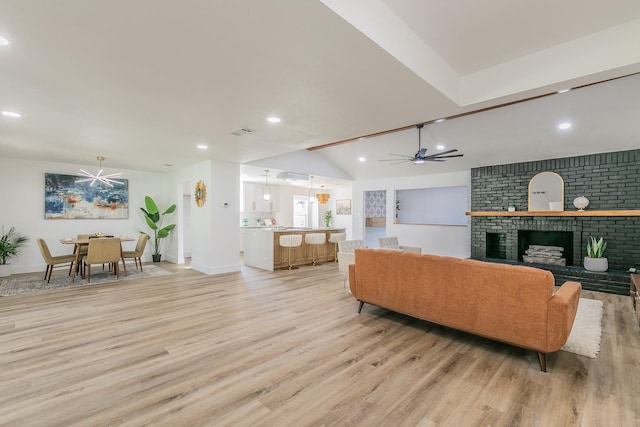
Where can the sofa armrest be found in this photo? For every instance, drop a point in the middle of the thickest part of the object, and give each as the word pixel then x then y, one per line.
pixel 562 309
pixel 352 279
pixel 411 249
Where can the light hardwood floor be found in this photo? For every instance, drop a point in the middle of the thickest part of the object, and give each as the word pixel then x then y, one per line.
pixel 288 348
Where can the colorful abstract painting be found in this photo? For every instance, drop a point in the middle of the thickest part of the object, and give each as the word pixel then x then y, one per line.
pixel 64 198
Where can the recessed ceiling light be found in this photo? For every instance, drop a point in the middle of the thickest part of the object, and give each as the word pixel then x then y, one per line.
pixel 564 126
pixel 202 147
pixel 362 159
pixel 273 119
pixel 3 41
pixel 168 165
pixel 440 147
pixel 440 120
pixel 11 114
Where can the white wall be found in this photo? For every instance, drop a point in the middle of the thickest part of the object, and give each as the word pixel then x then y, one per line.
pixel 22 195
pixel 214 230
pixel 434 239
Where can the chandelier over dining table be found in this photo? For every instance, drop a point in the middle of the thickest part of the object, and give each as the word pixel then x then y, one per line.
pixel 104 179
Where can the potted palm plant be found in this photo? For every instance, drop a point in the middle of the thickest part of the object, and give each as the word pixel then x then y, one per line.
pixel 154 220
pixel 595 260
pixel 10 245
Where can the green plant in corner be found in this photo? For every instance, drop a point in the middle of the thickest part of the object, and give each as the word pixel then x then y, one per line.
pixel 154 220
pixel 10 244
pixel 596 248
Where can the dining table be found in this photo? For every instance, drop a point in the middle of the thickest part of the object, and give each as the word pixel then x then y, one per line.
pixel 78 243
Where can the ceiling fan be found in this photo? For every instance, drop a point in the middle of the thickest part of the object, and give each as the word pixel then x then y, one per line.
pixel 421 155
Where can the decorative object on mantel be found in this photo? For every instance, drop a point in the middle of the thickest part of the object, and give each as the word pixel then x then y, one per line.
pixel 201 193
pixel 511 208
pixel 11 243
pixel 581 202
pixel 595 260
pixel 154 221
pixel 546 192
pixel 104 179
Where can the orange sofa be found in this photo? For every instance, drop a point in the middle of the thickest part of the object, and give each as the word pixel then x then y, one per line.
pixel 508 303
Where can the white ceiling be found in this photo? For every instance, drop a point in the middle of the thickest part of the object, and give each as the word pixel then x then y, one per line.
pixel 142 83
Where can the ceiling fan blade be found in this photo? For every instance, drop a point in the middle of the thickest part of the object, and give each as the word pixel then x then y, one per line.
pixel 400 161
pixel 395 160
pixel 444 157
pixel 445 152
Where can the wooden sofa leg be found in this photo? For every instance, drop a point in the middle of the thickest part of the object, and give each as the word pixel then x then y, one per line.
pixel 361 305
pixel 542 359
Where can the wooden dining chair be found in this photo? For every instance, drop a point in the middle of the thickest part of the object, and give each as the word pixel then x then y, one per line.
pixel 102 251
pixel 53 260
pixel 136 254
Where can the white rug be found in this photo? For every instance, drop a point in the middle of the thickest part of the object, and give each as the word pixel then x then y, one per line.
pixel 584 339
pixel 15 285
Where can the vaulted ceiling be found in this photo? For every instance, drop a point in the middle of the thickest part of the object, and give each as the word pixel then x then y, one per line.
pixel 143 83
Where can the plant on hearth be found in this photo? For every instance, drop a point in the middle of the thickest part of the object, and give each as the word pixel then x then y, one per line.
pixel 595 260
pixel 596 248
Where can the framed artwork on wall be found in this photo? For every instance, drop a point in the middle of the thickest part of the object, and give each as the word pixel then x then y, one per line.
pixel 64 198
pixel 343 207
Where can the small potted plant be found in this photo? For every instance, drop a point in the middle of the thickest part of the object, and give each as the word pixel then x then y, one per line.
pixel 595 260
pixel 10 245
pixel 154 220
pixel 327 219
pixel 511 207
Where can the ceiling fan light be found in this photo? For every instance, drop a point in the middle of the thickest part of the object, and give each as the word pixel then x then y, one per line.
pixel 418 161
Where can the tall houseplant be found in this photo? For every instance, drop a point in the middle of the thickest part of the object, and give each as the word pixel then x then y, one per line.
pixel 595 260
pixel 154 220
pixel 10 245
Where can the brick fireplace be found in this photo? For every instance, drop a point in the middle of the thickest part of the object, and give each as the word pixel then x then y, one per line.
pixel 611 181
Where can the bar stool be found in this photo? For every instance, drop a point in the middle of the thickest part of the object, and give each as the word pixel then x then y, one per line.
pixel 314 239
pixel 335 238
pixel 290 241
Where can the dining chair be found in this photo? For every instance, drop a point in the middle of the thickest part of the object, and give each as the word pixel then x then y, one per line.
pixel 136 254
pixel 53 260
pixel 102 251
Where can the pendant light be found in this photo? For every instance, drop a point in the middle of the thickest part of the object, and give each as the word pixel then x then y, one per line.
pixel 266 190
pixel 104 179
pixel 312 193
pixel 323 198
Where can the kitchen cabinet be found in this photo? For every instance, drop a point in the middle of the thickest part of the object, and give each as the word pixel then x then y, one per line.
pixel 254 201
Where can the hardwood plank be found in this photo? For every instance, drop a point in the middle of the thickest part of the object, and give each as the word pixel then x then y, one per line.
pixel 261 348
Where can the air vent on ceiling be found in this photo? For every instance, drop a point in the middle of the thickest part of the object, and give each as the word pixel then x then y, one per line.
pixel 242 131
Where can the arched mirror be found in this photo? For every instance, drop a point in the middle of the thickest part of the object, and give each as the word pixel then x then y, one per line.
pixel 546 192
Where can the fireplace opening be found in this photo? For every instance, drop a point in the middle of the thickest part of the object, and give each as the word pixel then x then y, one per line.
pixel 496 245
pixel 562 239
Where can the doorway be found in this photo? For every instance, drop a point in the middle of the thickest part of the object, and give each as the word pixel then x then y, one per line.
pixel 300 211
pixel 375 217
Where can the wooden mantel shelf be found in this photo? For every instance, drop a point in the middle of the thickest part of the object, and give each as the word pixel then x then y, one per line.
pixel 557 213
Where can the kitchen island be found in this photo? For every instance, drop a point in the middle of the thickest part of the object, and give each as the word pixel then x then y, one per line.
pixel 262 247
